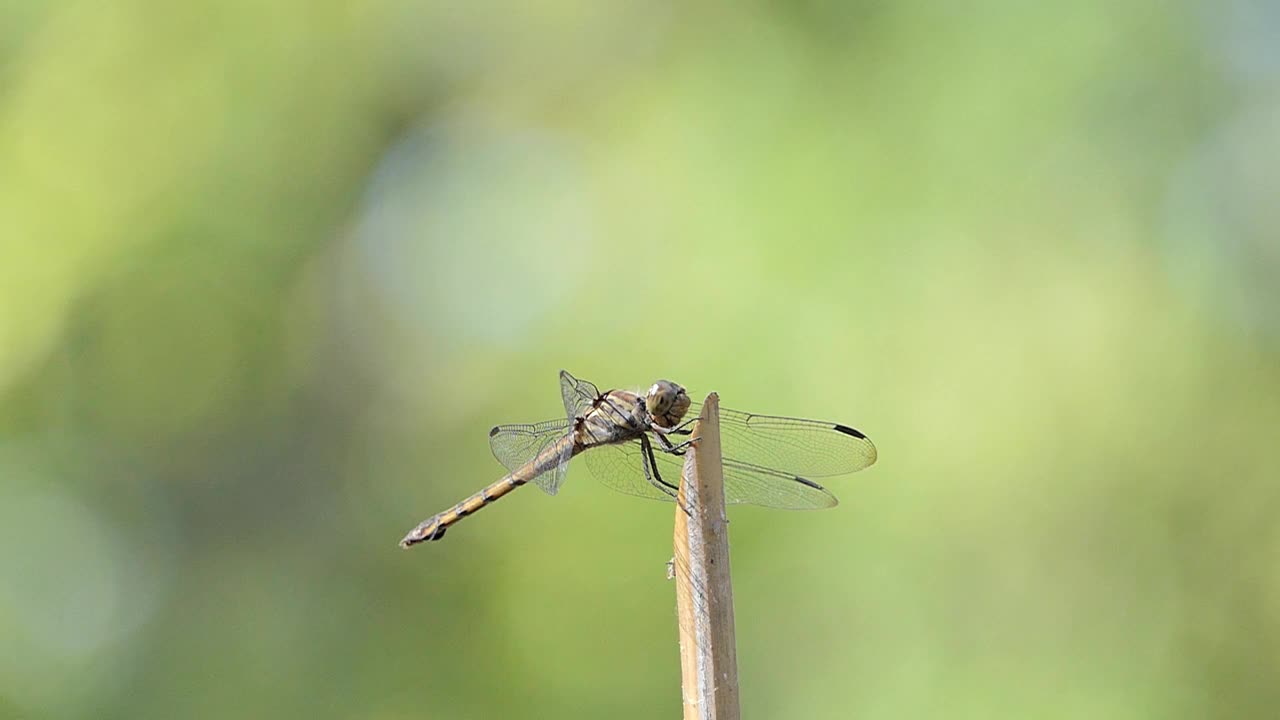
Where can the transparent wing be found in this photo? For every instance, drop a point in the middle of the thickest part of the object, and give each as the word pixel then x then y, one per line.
pixel 578 395
pixel 811 448
pixel 749 484
pixel 517 445
pixel 622 468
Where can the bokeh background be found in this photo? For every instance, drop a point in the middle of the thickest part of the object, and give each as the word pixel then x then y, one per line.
pixel 270 271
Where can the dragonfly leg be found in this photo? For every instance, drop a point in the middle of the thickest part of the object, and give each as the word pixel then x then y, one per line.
pixel 680 429
pixel 651 473
pixel 669 447
pixel 682 447
pixel 655 478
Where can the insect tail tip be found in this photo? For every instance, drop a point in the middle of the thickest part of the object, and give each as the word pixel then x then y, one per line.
pixel 417 535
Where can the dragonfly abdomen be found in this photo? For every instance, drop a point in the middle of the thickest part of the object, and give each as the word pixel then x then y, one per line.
pixel 434 527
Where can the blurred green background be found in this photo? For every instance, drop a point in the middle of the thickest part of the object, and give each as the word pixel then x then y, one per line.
pixel 270 271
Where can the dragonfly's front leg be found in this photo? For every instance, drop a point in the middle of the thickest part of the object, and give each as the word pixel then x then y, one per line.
pixel 661 433
pixel 676 449
pixel 677 430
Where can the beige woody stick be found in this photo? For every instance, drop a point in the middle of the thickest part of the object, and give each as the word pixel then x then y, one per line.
pixel 704 592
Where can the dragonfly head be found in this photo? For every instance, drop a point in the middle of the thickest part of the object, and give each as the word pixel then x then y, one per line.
pixel 667 403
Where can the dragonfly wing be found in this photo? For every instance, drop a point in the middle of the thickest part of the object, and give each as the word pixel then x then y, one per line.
pixel 579 395
pixel 749 484
pixel 810 448
pixel 517 445
pixel 622 468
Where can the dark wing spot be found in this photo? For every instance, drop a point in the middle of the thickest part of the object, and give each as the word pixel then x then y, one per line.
pixel 493 431
pixel 810 483
pixel 849 431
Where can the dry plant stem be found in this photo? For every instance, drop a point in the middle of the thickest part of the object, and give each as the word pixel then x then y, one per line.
pixel 704 592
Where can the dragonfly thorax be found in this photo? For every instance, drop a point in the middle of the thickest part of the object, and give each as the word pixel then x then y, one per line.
pixel 616 416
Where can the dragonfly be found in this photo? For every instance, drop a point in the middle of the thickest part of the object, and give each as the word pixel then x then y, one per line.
pixel 634 442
